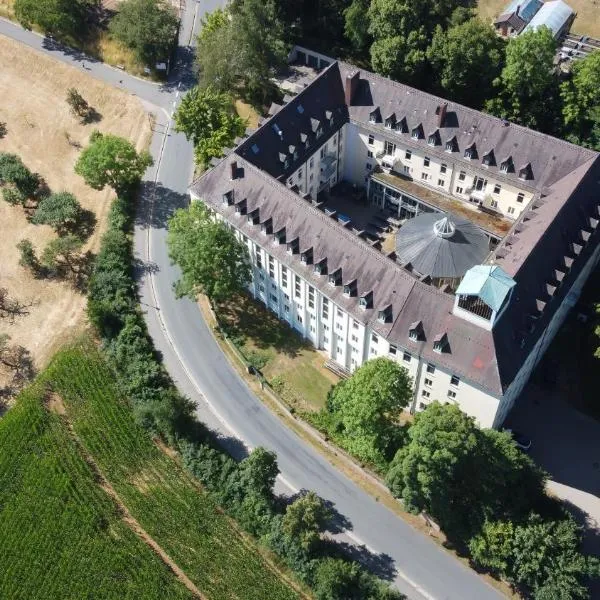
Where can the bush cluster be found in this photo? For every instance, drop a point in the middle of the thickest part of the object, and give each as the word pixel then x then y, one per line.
pixel 244 489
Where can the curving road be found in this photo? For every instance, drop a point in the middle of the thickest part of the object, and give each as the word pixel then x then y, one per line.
pixel 417 565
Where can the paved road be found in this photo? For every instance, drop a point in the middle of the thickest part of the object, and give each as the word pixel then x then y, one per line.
pixel 419 568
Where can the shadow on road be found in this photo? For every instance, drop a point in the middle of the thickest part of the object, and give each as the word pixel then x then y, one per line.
pixel 156 205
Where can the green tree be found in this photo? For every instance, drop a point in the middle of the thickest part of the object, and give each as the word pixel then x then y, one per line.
pixel 401 31
pixel 338 579
pixel 241 54
pixel 63 252
pixel 212 260
pixel 305 519
pixel 527 89
pixel 148 27
pixel 356 27
pixel 79 105
pixel 111 160
pixel 581 101
pixel 542 558
pixel 259 471
pixel 368 405
pixel 27 255
pixel 461 475
pixel 208 119
pixel 18 183
pixel 61 211
pixel 59 17
pixel 466 60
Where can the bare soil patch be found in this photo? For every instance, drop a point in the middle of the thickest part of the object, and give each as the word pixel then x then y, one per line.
pixel 48 138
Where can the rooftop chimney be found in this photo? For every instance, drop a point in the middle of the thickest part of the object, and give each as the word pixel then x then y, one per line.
pixel 350 88
pixel 441 113
pixel 233 166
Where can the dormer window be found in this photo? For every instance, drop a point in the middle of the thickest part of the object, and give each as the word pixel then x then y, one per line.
pixel 319 133
pixel 402 126
pixel 329 117
pixel 489 160
pixel 253 216
pixel 350 288
pixel 307 256
pixel 415 331
pixel 240 207
pixel 385 314
pixel 335 278
pixel 417 132
pixel 507 165
pixel 267 226
pixel 525 172
pixel 280 236
pixel 366 301
pixel 434 138
pixel 293 245
pixel 304 140
pixel 228 198
pixel 375 116
pixel 321 267
pixel 314 124
pixel 452 145
pixel 471 152
pixel 440 343
pixel 293 151
pixel 390 121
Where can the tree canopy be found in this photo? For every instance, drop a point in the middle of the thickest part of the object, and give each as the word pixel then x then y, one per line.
pixel 542 558
pixel 148 27
pixel 208 119
pixel 212 260
pixel 466 59
pixel 368 405
pixel 240 50
pixel 581 101
pixel 527 87
pixel 305 519
pixel 462 475
pixel 59 17
pixel 111 160
pixel 60 211
pixel 18 183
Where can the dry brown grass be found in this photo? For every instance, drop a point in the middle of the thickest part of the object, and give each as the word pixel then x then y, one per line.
pixel 38 122
pixel 247 112
pixel 587 21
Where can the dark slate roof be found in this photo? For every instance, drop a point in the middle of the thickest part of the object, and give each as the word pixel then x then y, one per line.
pixel 550 159
pixel 418 243
pixel 544 254
pixel 512 20
pixel 544 251
pixel 470 349
pixel 296 123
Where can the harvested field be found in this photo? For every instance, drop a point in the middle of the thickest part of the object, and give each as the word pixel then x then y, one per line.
pixel 48 138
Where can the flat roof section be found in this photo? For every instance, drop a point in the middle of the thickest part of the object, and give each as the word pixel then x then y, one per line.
pixel 496 225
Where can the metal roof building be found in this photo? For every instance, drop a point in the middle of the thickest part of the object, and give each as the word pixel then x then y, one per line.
pixel 556 15
pixel 442 248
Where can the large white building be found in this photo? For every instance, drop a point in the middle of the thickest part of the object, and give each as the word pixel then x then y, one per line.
pixel 473 341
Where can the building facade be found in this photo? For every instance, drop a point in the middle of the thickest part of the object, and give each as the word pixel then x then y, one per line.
pixel 536 197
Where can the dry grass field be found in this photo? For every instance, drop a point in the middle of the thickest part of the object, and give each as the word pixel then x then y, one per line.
pixel 44 133
pixel 587 21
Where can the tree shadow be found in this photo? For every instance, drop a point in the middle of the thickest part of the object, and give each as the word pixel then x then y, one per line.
pixel 381 565
pixel 92 116
pixel 84 226
pixel 157 204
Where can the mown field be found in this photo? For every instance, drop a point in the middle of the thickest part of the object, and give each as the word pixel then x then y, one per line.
pixel 60 534
pixel 43 477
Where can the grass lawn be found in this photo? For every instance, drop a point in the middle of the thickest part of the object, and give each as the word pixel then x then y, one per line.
pixel 291 365
pixel 587 21
pixel 57 512
pixel 247 112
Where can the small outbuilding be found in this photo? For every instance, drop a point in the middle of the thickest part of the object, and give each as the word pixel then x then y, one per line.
pixel 556 14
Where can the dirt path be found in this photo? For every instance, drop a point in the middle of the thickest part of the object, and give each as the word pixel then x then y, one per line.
pixel 55 404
